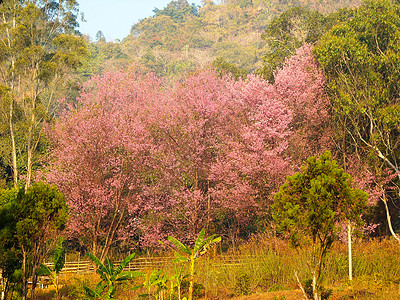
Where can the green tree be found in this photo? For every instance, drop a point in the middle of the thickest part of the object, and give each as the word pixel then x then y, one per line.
pixel 287 32
pixel 178 10
pixel 39 215
pixel 223 67
pixel 10 254
pixel 360 57
pixel 313 203
pixel 38 51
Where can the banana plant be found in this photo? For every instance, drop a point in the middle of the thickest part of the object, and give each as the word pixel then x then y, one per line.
pixel 154 279
pixel 110 276
pixel 176 281
pixel 52 273
pixel 184 254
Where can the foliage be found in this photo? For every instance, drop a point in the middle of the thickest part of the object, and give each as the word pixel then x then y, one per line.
pixel 102 162
pixel 184 254
pixel 225 68
pixel 110 276
pixel 359 57
pixel 196 36
pixel 38 54
pixel 313 203
pixel 300 85
pixel 287 32
pixel 155 279
pixel 10 254
pixel 177 10
pixel 39 215
pixel 171 160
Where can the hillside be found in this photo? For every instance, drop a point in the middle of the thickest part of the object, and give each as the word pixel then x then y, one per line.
pixel 182 37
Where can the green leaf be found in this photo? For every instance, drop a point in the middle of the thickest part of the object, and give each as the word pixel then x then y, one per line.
pixel 100 288
pixel 199 241
pixel 101 269
pixel 124 263
pixel 181 247
pixel 109 266
pixel 111 291
pixel 180 258
pixel 44 270
pixel 129 275
pixel 59 257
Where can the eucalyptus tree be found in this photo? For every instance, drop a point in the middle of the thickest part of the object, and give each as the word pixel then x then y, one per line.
pixel 360 58
pixel 39 48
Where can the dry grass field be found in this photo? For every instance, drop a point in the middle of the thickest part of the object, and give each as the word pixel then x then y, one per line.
pixel 263 269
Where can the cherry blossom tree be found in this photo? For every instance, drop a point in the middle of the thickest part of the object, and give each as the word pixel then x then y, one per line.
pixel 138 157
pixel 300 84
pixel 224 152
pixel 101 157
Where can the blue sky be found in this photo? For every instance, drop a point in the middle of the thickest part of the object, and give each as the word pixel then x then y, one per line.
pixel 115 17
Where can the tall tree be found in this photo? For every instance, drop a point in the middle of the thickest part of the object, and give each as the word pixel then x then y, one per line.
pixel 224 145
pixel 38 49
pixel 10 254
pixel 169 160
pixel 102 157
pixel 360 58
pixel 300 85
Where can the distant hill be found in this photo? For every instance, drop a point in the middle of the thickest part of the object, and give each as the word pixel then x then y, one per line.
pixel 182 36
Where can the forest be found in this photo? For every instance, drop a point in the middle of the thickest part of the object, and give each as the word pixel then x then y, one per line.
pixel 252 142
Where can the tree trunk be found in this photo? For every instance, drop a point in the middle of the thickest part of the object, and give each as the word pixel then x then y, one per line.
pixel 4 285
pixel 31 131
pixel 11 112
pixel 389 218
pixel 24 279
pixel 13 146
pixel 300 285
pixel 116 221
pixel 314 287
pixel 34 281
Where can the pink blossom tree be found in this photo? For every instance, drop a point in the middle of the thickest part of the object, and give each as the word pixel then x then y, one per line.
pixel 135 155
pixel 101 156
pixel 300 85
pixel 224 152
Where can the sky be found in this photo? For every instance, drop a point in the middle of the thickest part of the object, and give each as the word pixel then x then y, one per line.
pixel 116 17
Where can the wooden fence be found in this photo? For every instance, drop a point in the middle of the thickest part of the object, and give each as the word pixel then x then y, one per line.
pixel 141 263
pixel 137 264
pixel 144 263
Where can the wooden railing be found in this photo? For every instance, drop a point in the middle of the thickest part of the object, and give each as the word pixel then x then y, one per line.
pixel 144 263
pixel 141 263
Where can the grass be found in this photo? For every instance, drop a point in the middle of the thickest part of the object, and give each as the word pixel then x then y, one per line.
pixel 263 269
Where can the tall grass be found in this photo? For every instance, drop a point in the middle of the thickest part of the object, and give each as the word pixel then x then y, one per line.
pixel 267 264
